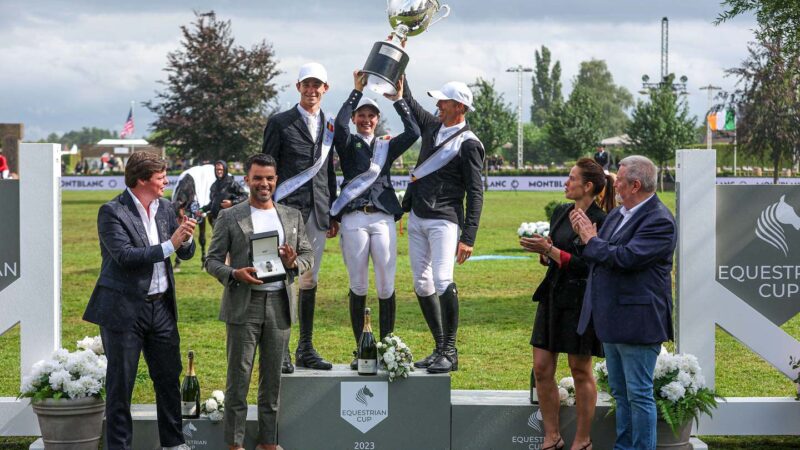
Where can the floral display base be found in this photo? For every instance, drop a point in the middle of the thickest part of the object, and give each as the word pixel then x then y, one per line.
pixel 74 424
pixel 667 440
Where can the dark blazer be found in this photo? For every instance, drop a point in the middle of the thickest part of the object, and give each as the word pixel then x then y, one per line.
pixel 232 232
pixel 127 262
pixel 629 289
pixel 355 156
pixel 566 287
pixel 440 195
pixel 287 139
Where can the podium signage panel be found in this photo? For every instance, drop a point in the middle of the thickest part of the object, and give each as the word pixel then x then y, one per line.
pixel 9 230
pixel 364 405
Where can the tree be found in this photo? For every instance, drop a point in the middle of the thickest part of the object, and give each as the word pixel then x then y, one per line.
pixel 546 87
pixel 661 125
pixel 82 137
pixel 613 101
pixel 493 120
pixel 768 103
pixel 779 20
pixel 574 127
pixel 217 94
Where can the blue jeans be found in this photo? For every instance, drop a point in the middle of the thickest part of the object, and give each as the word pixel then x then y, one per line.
pixel 630 377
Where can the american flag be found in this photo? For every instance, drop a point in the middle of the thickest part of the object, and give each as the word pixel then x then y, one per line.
pixel 127 129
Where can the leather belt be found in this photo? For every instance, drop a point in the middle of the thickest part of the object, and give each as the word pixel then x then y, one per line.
pixel 154 297
pixel 369 209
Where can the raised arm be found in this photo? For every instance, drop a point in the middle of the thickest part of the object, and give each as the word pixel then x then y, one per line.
pixel 410 134
pixel 424 118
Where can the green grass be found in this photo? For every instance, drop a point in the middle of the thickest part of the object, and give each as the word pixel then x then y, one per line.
pixel 496 311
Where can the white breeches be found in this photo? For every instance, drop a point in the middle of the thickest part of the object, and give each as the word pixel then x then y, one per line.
pixel 364 235
pixel 432 247
pixel 316 238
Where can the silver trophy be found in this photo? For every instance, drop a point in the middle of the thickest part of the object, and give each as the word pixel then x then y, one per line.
pixel 387 61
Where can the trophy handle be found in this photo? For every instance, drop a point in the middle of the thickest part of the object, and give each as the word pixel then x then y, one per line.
pixel 446 9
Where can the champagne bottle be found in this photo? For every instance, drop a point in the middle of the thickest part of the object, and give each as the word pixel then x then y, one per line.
pixel 190 392
pixel 367 350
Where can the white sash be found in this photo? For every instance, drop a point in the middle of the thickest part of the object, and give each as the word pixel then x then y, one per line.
pixel 292 184
pixel 364 180
pixel 441 157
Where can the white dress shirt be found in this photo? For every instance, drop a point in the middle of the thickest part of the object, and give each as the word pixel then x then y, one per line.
pixel 628 213
pixel 312 121
pixel 368 138
pixel 159 283
pixel 446 132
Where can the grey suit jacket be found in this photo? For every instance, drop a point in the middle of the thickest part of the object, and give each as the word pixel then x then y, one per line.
pixel 232 231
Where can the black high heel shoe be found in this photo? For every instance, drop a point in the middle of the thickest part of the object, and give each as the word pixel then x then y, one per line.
pixel 557 446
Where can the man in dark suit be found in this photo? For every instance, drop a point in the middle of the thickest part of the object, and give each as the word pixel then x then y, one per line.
pixel 446 178
pixel 134 299
pixel 256 314
pixel 629 295
pixel 296 139
pixel 601 156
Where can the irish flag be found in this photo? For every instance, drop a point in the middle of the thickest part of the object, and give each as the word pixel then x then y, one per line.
pixel 724 120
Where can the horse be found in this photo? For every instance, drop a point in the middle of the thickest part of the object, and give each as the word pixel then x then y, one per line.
pixel 191 193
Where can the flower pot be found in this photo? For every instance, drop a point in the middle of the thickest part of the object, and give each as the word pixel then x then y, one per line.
pixel 70 423
pixel 666 439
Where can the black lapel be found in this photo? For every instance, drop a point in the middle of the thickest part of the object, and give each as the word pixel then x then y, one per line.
pixel 560 218
pixel 299 122
pixel 135 218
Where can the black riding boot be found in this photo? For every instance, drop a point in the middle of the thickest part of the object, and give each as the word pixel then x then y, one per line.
pixel 306 355
pixel 357 304
pixel 386 314
pixel 433 316
pixel 448 360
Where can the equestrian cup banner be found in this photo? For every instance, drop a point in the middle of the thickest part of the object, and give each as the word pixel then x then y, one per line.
pixel 9 230
pixel 758 247
pixel 364 404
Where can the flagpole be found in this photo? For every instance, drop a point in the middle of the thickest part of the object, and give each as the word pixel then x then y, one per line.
pixel 734 152
pixel 130 151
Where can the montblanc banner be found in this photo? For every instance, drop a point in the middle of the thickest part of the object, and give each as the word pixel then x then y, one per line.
pixel 401 182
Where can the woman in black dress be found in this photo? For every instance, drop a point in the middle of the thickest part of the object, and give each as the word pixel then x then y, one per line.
pixel 560 297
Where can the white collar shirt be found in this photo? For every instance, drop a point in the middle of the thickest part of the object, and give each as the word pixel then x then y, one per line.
pixel 368 138
pixel 311 120
pixel 159 282
pixel 446 132
pixel 628 213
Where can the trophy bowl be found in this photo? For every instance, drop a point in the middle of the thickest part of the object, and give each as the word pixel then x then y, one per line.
pixel 387 61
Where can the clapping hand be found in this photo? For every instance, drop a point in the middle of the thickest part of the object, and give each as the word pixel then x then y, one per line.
pixel 582 225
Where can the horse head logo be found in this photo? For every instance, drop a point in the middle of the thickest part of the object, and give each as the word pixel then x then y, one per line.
pixel 535 421
pixel 769 227
pixel 362 394
pixel 189 429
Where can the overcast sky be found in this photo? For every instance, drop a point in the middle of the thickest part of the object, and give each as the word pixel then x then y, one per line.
pixel 67 65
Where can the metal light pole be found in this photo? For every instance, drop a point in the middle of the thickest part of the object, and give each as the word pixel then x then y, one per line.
pixel 519 70
pixel 710 88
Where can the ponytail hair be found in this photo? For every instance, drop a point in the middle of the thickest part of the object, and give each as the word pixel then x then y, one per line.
pixel 607 199
pixel 603 184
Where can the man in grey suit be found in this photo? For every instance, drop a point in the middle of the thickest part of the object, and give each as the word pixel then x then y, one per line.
pixel 256 314
pixel 300 141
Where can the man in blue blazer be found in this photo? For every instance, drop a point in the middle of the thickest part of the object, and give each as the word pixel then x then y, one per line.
pixel 629 295
pixel 134 299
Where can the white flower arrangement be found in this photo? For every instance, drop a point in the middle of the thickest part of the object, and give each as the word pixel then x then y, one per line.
pixel 214 406
pixel 566 391
pixel 528 229
pixel 679 388
pixel 66 374
pixel 395 356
